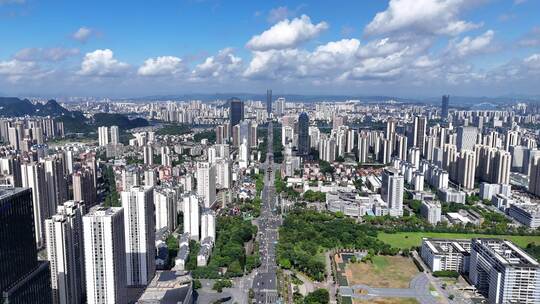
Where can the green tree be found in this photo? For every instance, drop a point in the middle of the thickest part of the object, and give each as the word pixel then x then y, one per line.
pixel 319 296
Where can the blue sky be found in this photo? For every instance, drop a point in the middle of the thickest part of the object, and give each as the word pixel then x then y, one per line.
pixel 397 47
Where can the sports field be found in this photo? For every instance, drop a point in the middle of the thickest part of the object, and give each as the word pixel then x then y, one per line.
pixel 405 240
pixel 383 272
pixel 386 301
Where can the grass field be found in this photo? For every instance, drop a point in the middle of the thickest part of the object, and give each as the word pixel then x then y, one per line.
pixel 384 272
pixel 409 239
pixel 387 301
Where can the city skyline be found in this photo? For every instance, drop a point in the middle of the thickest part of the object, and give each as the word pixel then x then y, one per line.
pixel 399 47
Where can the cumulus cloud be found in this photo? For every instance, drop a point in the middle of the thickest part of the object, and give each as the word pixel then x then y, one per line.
pixel 45 54
pixel 101 63
pixel 83 34
pixel 471 46
pixel 287 34
pixel 225 63
pixel 434 17
pixel 160 66
pixel 17 67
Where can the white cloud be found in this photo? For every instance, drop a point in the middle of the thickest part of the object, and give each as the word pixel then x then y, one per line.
pixel 83 34
pixel 160 66
pixel 278 14
pixel 17 67
pixel 471 46
pixel 287 34
pixel 101 63
pixel 225 63
pixel 434 17
pixel 45 54
pixel 532 62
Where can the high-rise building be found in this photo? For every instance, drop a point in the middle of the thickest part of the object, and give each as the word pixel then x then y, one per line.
pixel 501 168
pixel 208 225
pixel 115 135
pixel 303 134
pixel 165 201
pixel 466 138
pixel 392 191
pixel 401 146
pixel 466 168
pixel 327 149
pixel 23 279
pixel 148 155
pixel 390 128
pixel 140 237
pixel 83 187
pixel 363 148
pixel 57 189
pixel 33 176
pixel 103 136
pixel 269 102
pixel 223 173
pixel 281 106
pixel 534 174
pixel 190 206
pixel 206 183
pixel 65 252
pixel 444 106
pixel 236 111
pixel 419 132
pixel 503 272
pixel 105 255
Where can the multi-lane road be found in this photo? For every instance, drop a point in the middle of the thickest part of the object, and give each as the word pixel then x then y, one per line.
pixel 264 283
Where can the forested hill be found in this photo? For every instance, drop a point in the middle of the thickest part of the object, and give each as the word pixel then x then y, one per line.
pixel 74 121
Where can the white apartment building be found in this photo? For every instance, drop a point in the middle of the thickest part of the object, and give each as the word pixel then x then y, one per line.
pixel 392 191
pixel 64 235
pixel 33 176
pixel 431 211
pixel 165 202
pixel 190 206
pixel 208 225
pixel 446 254
pixel 206 183
pixel 105 256
pixel 103 136
pixel 139 225
pixel 503 272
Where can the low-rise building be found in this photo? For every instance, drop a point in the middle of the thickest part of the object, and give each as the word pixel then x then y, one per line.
pixel 168 287
pixel 431 211
pixel 526 214
pixel 446 254
pixel 503 272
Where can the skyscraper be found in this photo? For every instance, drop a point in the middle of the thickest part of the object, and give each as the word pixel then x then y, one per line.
pixel 269 102
pixel 534 174
pixel 23 279
pixel 140 237
pixel 65 252
pixel 165 202
pixel 392 191
pixel 444 106
pixel 83 187
pixel 466 138
pixel 208 225
pixel 105 255
pixel 419 132
pixel 303 134
pixel 466 167
pixel 103 136
pixel 236 111
pixel 190 206
pixel 206 183
pixel 115 135
pixel 33 176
